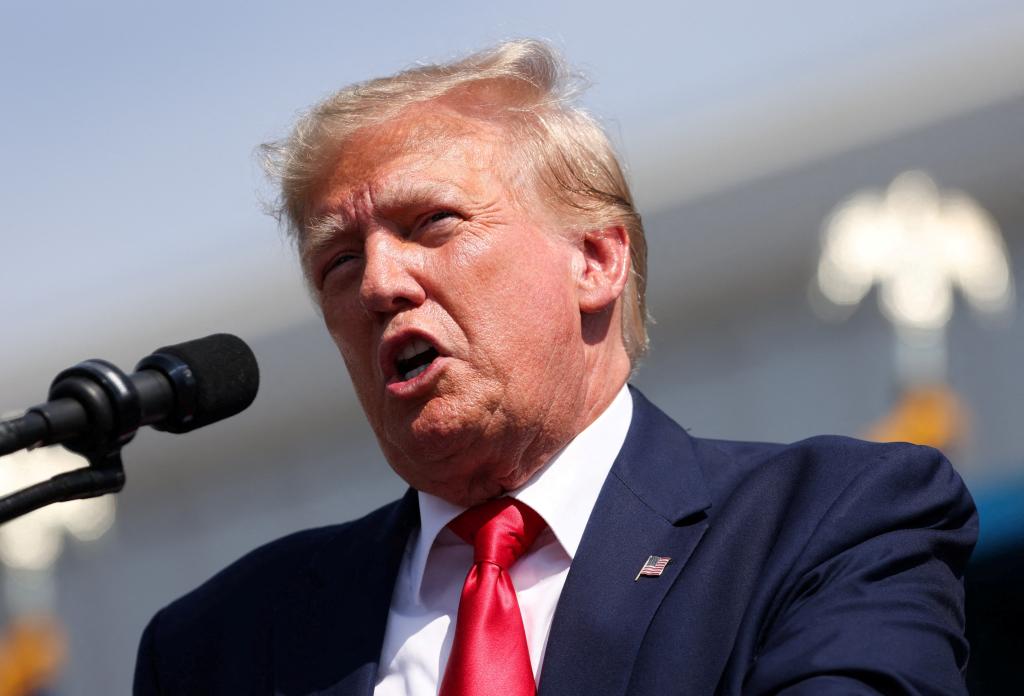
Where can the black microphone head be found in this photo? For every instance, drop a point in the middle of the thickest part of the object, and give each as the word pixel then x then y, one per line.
pixel 213 378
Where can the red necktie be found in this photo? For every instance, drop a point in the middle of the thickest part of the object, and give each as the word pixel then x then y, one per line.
pixel 489 654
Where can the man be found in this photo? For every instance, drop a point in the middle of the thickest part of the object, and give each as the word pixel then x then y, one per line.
pixel 470 239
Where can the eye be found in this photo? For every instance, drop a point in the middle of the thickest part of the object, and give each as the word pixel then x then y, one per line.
pixel 437 216
pixel 436 227
pixel 336 263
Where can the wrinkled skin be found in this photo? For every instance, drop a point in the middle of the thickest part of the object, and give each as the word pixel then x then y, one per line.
pixel 418 234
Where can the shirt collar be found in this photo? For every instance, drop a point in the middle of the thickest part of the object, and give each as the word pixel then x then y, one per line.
pixel 563 492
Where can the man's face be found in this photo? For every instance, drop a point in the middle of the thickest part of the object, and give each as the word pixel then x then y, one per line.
pixel 455 309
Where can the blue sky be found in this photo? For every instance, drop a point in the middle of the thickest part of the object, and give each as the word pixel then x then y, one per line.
pixel 129 187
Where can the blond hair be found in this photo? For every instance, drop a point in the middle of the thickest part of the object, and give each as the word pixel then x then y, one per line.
pixel 564 149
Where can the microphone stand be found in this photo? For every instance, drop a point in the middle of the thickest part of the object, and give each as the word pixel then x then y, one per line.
pixel 105 474
pixel 95 409
pixel 93 393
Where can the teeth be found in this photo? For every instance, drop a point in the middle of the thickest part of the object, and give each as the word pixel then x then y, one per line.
pixel 417 371
pixel 415 347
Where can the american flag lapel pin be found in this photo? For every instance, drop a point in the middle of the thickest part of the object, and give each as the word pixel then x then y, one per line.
pixel 654 566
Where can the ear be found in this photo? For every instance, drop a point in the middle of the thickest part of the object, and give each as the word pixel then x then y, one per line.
pixel 605 268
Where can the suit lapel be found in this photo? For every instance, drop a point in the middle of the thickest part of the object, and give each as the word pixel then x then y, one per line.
pixel 652 503
pixel 329 630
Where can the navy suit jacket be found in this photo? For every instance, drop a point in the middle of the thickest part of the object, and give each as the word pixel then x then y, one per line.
pixel 826 566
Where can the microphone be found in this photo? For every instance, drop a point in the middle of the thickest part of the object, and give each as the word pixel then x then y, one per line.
pixel 95 407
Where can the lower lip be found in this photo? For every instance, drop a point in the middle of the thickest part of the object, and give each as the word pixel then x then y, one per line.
pixel 418 385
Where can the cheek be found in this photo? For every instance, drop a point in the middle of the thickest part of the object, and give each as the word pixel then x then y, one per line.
pixel 512 267
pixel 523 315
pixel 351 337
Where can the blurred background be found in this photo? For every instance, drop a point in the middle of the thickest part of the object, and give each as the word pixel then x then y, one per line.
pixel 833 195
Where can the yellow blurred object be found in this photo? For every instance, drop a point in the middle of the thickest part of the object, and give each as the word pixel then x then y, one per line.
pixel 32 652
pixel 930 415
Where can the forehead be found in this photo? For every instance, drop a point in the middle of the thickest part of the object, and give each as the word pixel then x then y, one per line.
pixel 426 145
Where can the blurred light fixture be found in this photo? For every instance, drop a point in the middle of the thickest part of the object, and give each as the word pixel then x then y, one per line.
pixel 916 243
pixel 34 541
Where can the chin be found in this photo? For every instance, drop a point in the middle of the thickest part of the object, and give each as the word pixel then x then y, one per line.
pixel 459 482
pixel 448 446
pixel 428 441
pixel 442 423
pixel 447 461
pixel 446 475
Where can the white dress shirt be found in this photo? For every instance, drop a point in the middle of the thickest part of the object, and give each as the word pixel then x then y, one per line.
pixel 421 622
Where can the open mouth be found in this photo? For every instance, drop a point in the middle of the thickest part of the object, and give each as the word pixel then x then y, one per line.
pixel 414 359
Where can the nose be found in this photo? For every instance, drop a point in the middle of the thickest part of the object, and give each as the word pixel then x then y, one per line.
pixel 389 282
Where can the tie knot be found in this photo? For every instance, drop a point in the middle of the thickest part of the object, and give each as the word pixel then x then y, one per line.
pixel 500 530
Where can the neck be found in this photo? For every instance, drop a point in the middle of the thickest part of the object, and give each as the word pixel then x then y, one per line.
pixel 603 375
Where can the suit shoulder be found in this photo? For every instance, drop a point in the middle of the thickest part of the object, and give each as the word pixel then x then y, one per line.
pixel 250 585
pixel 209 640
pixel 813 471
pixel 817 450
pixel 823 463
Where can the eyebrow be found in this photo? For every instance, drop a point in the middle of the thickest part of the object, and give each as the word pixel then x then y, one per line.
pixel 323 229
pixel 405 192
pixel 320 232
